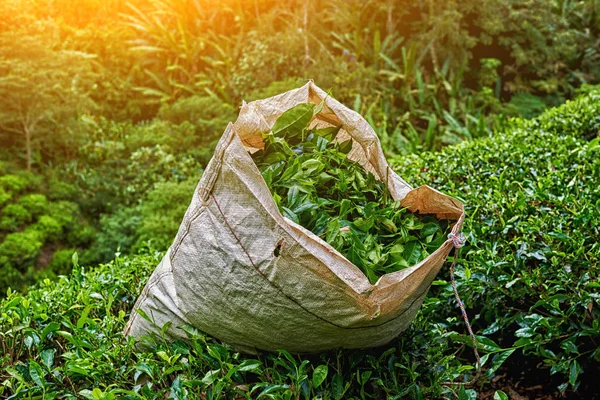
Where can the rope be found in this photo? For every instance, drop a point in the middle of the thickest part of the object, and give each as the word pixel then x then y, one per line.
pixel 459 241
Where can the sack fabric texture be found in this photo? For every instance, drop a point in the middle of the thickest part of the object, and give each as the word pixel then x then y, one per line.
pixel 241 272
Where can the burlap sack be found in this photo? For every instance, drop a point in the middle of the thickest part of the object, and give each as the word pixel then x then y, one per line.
pixel 223 276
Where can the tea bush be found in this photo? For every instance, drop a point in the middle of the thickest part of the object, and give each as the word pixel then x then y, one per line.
pixel 117 232
pixel 13 183
pixel 162 211
pixel 14 216
pixel 20 248
pixel 64 339
pixel 4 196
pixel 532 263
pixel 58 190
pixel 34 203
pixel 208 115
pixel 61 262
pixel 48 227
pixel 32 228
pixel 83 236
pixel 579 117
pixel 120 161
pixel 528 276
pixel 156 221
pixel 66 213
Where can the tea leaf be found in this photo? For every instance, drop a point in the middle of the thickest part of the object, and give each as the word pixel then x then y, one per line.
pixel 319 375
pixel 293 121
pixel 316 185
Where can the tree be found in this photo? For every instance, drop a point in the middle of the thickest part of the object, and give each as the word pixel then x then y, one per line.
pixel 41 86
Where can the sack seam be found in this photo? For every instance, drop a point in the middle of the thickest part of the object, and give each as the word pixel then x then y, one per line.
pixel 175 247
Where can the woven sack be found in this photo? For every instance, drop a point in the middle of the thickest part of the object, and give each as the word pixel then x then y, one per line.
pixel 241 272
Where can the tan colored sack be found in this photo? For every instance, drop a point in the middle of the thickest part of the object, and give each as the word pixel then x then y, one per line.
pixel 222 275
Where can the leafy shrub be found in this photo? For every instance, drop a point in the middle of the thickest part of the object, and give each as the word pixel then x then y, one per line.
pixel 74 328
pixel 149 166
pixel 61 262
pixel 20 248
pixel 4 196
pixel 118 231
pixel 36 204
pixel 195 124
pixel 10 277
pixel 82 236
pixel 266 59
pixel 14 216
pixel 58 190
pixel 531 265
pixel 274 88
pixel 13 184
pixel 48 228
pixel 66 213
pixel 579 117
pixel 208 114
pixel 528 104
pixel 162 212
pixel 173 138
pixel 349 79
pixel 121 162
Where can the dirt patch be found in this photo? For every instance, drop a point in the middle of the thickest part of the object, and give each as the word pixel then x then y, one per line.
pixel 45 256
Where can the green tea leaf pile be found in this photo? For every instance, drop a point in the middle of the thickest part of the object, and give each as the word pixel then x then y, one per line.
pixel 316 185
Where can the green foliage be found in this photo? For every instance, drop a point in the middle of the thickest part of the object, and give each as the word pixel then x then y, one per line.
pixel 66 213
pixel 530 269
pixel 274 56
pixel 121 162
pixel 427 65
pixel 4 197
pixel 48 227
pixel 201 120
pixel 20 249
pixel 33 228
pixel 61 262
pixel 41 85
pixel 13 184
pixel 83 236
pixel 71 331
pixel 34 203
pixel 14 216
pixel 11 277
pixel 117 232
pixel 316 185
pixel 125 97
pixel 528 104
pixel 208 114
pixel 155 222
pixel 58 190
pixel 579 117
pixel 531 264
pixel 162 212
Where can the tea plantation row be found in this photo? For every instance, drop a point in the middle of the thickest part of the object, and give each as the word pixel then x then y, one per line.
pixel 528 276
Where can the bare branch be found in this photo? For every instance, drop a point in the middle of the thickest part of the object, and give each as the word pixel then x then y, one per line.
pixel 9 129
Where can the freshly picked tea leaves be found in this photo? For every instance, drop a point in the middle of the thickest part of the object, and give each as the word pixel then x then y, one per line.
pixel 316 185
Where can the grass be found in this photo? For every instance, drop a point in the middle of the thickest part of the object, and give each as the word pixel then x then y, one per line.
pixel 528 276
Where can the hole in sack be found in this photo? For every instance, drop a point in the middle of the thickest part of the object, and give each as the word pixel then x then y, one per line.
pixel 278 246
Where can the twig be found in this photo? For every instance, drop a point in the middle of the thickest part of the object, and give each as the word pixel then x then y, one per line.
pixel 458 241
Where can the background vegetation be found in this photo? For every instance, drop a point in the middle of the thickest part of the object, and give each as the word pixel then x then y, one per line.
pixel 109 110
